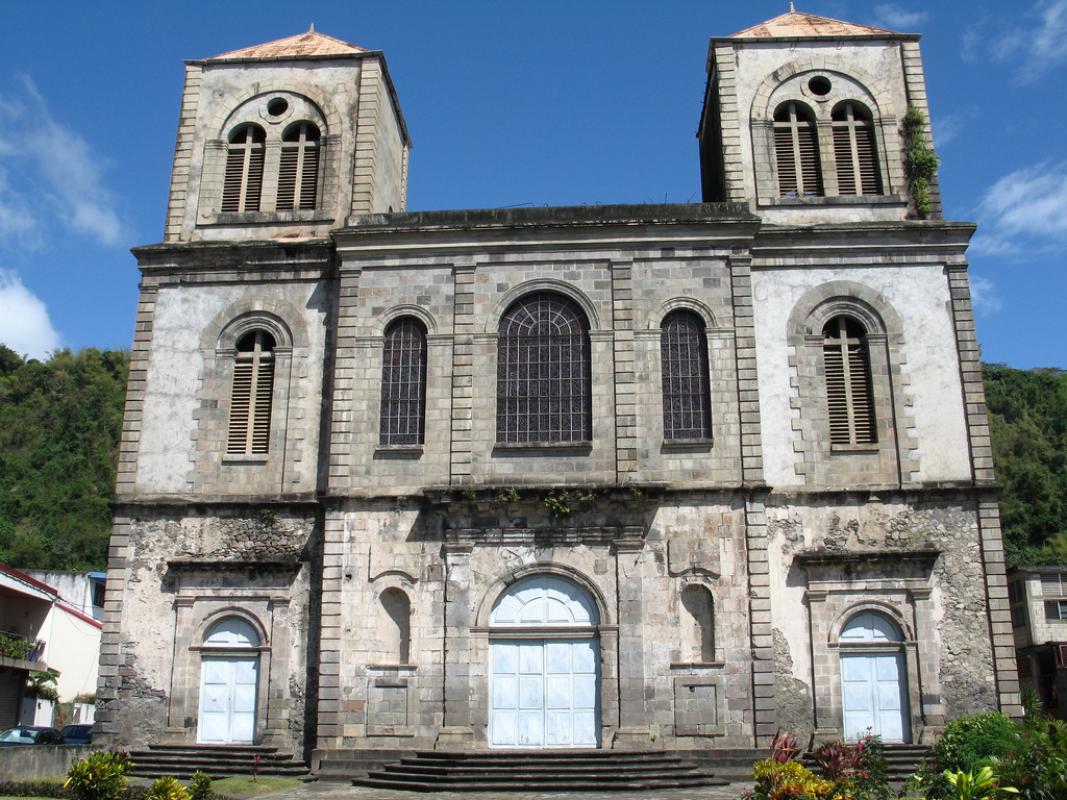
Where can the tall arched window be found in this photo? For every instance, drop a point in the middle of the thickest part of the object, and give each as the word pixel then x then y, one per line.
pixel 855 150
pixel 403 408
pixel 796 150
pixel 543 372
pixel 298 168
pixel 846 361
pixel 243 184
pixel 698 624
pixel 397 632
pixel 684 366
pixel 253 390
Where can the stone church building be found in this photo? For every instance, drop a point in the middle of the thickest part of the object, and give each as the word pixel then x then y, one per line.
pixel 624 476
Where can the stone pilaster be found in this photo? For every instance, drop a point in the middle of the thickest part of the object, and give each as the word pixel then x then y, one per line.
pixel 456 632
pixel 627 435
pixel 345 367
pixel 464 323
pixel 178 200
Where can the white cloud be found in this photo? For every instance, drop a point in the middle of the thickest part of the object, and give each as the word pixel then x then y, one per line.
pixel 984 296
pixel 890 15
pixel 947 127
pixel 1038 47
pixel 1024 213
pixel 59 163
pixel 24 323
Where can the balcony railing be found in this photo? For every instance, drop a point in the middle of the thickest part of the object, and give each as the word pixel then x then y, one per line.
pixel 12 645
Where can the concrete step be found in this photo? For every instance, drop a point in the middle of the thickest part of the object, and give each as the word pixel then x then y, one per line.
pixel 559 786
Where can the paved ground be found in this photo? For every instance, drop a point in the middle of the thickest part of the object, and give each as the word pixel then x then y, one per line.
pixel 328 790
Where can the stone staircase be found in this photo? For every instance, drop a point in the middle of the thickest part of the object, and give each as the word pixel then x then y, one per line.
pixel 539 770
pixel 901 760
pixel 218 761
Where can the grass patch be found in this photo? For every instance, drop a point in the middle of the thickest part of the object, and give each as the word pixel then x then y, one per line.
pixel 29 797
pixel 244 786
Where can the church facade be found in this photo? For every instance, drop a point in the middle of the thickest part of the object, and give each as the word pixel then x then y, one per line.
pixel 663 476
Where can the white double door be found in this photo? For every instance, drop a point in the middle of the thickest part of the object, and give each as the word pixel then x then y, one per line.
pixel 228 700
pixel 544 693
pixel 874 695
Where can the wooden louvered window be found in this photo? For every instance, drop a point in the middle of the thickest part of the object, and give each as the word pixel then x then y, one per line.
pixel 243 184
pixel 543 379
pixel 796 151
pixel 686 388
pixel 855 151
pixel 253 390
pixel 403 384
pixel 298 167
pixel 849 397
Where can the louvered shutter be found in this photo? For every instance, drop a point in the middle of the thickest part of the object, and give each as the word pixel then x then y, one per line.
pixel 231 190
pixel 309 178
pixel 287 167
pixel 254 188
pixel 240 406
pixel 859 378
pixel 810 169
pixel 836 395
pixel 261 410
pixel 787 164
pixel 870 175
pixel 846 170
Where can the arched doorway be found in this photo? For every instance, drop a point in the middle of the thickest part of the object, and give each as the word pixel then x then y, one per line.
pixel 229 675
pixel 874 683
pixel 544 658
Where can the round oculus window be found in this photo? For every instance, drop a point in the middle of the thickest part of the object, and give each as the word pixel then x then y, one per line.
pixel 819 85
pixel 277 106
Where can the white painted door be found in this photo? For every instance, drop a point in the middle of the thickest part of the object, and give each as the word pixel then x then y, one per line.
pixel 228 700
pixel 543 693
pixel 874 699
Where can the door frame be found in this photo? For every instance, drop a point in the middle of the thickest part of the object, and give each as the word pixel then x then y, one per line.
pixel 542 637
pixel 898 652
pixel 229 657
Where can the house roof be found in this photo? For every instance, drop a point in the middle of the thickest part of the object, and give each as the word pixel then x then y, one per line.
pixel 302 45
pixel 798 25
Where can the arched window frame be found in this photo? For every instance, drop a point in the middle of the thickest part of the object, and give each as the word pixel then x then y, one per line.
pixel 245 158
pixel 698 611
pixel 402 414
pixel 544 373
pixel 298 167
pixel 796 151
pixel 396 605
pixel 252 394
pixel 855 150
pixel 849 389
pixel 686 382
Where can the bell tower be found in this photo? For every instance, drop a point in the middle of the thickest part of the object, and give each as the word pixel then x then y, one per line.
pixel 806 119
pixel 287 139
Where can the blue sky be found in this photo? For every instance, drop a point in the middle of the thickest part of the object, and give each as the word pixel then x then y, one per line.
pixel 549 103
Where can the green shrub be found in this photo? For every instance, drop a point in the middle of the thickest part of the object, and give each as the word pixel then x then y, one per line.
pixel 779 780
pixel 32 789
pixel 1038 767
pixel 976 785
pixel 101 776
pixel 167 789
pixel 200 786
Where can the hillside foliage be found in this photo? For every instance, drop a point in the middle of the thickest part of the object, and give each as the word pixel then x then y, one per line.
pixel 60 421
pixel 59 430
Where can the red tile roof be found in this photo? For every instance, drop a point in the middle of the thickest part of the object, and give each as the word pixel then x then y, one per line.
pixel 309 43
pixel 796 24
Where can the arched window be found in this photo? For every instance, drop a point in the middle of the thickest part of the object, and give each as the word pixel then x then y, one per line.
pixel 855 150
pixel 846 361
pixel 684 366
pixel 543 372
pixel 397 631
pixel 796 150
pixel 298 168
pixel 253 389
pixel 231 633
pixel 243 184
pixel 403 407
pixel 698 624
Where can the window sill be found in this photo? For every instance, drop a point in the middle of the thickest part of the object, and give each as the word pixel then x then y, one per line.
pixel 579 448
pixel 245 458
pixel 685 446
pixel 315 216
pixel 413 451
pixel 698 664
pixel 858 449
pixel 838 200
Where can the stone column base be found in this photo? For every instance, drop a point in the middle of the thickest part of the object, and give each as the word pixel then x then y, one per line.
pixel 454 738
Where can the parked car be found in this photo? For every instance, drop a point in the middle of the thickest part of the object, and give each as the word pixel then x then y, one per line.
pixel 78 734
pixel 30 734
